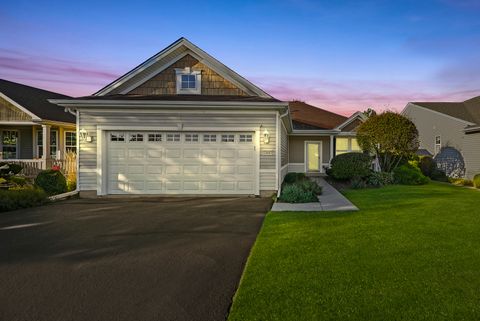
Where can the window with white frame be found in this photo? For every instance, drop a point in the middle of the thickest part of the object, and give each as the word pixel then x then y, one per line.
pixel 70 142
pixel 228 138
pixel 245 138
pixel 136 137
pixel 53 143
pixel 9 144
pixel 173 137
pixel 209 138
pixel 346 145
pixel 191 138
pixel 155 137
pixel 117 137
pixel 188 81
pixel 438 144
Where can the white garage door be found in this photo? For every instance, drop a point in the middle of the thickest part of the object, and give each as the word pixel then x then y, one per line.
pixel 181 163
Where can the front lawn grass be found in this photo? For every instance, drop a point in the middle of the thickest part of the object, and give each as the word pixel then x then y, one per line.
pixel 410 253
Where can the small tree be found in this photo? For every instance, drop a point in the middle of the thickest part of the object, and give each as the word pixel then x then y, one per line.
pixel 390 136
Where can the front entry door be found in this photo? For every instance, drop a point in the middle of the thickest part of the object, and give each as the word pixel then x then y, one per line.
pixel 314 157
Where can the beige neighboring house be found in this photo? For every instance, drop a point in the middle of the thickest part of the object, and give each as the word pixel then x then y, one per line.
pixel 452 124
pixel 33 131
pixel 184 123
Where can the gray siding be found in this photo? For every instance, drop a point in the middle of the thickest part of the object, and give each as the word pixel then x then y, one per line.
pixel 284 146
pixel 471 154
pixel 90 119
pixel 297 148
pixel 430 124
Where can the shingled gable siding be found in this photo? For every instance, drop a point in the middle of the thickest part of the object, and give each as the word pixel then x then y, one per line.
pixel 150 70
pixel 89 120
pixel 165 82
pixel 9 112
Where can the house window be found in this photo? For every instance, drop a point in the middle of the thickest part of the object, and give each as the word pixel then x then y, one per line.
pixel 228 138
pixel 346 145
pixel 191 138
pixel 117 137
pixel 173 137
pixel 9 144
pixel 70 142
pixel 188 81
pixel 136 137
pixel 438 144
pixel 245 138
pixel 209 138
pixel 53 143
pixel 154 137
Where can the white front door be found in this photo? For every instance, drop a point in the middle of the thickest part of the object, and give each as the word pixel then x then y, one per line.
pixel 181 163
pixel 313 151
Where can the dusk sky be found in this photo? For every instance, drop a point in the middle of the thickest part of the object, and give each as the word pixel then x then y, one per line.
pixel 339 55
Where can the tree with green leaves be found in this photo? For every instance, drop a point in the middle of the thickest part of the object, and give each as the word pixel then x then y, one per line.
pixel 390 136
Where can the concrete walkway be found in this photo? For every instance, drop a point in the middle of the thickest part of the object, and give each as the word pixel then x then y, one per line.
pixel 330 200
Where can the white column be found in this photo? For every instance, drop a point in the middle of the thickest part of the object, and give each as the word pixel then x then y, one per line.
pixel 45 144
pixel 332 150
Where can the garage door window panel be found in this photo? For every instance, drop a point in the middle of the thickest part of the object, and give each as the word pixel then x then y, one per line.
pixel 191 138
pixel 245 138
pixel 209 138
pixel 136 137
pixel 228 138
pixel 117 137
pixel 173 137
pixel 155 137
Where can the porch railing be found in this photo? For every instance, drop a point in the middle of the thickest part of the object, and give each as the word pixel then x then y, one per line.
pixel 31 167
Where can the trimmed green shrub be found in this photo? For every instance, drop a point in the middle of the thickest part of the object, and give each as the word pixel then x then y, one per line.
pixel 460 181
pixel 427 165
pixel 409 175
pixel 294 193
pixel 51 181
pixel 476 181
pixel 11 169
pixel 439 175
pixel 21 198
pixel 18 180
pixel 350 165
pixel 358 183
pixel 291 178
pixel 379 179
pixel 310 186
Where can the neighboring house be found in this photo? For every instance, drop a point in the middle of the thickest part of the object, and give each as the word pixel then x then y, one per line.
pixel 449 124
pixel 26 118
pixel 184 123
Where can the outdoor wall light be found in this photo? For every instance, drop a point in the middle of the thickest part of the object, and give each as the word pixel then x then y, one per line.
pixel 266 136
pixel 84 136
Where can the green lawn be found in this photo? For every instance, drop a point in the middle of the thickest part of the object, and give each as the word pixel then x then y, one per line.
pixel 410 253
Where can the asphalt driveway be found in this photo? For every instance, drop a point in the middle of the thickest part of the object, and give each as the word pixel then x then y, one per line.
pixel 126 259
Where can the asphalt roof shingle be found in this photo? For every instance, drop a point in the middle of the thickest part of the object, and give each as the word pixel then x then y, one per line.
pixel 468 110
pixel 36 101
pixel 313 116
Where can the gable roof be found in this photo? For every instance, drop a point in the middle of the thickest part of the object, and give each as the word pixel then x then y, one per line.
pixel 167 57
pixel 224 98
pixel 35 101
pixel 315 118
pixel 468 110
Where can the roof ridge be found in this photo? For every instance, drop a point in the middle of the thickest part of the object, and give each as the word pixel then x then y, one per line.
pixel 33 88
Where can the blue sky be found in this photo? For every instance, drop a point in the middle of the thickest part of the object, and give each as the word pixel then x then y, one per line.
pixel 339 55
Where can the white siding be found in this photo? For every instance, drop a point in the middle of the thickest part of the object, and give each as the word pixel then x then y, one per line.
pixel 284 146
pixel 471 154
pixel 89 120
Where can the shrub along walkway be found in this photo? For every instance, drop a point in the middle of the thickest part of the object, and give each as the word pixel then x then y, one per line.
pixel 330 200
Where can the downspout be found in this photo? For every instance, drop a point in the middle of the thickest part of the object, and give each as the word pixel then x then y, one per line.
pixel 279 190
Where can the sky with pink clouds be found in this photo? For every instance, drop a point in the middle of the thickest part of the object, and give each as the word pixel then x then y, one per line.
pixel 339 55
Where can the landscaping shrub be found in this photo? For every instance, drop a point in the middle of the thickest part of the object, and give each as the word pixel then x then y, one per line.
pixel 476 181
pixel 460 181
pixel 21 198
pixel 310 186
pixel 427 165
pixel 350 165
pixel 51 181
pixel 291 178
pixel 294 193
pixel 18 180
pixel 8 169
pixel 439 175
pixel 379 179
pixel 358 183
pixel 409 175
